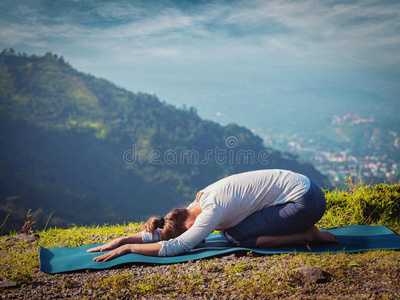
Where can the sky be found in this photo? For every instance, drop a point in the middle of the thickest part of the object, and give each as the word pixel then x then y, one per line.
pixel 214 54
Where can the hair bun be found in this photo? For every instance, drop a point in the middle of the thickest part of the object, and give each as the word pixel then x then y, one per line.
pixel 161 223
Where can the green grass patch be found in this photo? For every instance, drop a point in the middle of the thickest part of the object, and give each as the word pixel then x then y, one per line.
pixel 363 205
pixel 19 261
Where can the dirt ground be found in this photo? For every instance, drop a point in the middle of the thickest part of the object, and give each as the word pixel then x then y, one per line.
pixel 234 277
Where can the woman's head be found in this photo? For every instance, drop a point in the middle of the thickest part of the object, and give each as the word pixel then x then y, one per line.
pixel 173 225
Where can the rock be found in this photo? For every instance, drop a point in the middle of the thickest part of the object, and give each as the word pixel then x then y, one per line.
pixel 230 257
pixel 5 283
pixel 312 275
pixel 29 238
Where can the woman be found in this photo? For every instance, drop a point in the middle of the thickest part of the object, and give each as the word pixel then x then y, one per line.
pixel 265 208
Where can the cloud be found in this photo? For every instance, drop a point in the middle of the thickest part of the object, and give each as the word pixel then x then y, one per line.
pixel 350 31
pixel 275 31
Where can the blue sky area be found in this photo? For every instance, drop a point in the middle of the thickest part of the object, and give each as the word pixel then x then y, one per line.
pixel 213 54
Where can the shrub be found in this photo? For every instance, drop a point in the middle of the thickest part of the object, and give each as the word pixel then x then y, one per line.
pixel 363 205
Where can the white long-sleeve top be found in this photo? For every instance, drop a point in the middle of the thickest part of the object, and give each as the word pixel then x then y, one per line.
pixel 228 201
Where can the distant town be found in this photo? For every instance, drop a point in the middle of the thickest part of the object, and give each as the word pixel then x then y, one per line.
pixel 351 144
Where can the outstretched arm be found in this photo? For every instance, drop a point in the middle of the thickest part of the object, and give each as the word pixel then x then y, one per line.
pixel 145 249
pixel 133 239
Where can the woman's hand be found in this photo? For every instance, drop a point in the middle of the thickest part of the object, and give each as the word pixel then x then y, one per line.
pixel 109 246
pixel 151 249
pixel 125 249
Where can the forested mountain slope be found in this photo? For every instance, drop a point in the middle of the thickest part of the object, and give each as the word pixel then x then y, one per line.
pixel 94 153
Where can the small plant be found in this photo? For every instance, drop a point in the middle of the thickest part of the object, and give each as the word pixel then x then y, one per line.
pixel 28 224
pixel 69 283
pixel 353 180
pixel 5 220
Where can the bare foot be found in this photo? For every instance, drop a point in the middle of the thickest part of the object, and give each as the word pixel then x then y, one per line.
pixel 314 236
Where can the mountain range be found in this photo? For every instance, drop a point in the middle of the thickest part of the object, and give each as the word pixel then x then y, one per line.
pixel 76 149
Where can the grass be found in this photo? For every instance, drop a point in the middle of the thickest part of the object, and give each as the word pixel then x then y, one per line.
pixel 363 205
pixel 19 261
pixel 360 204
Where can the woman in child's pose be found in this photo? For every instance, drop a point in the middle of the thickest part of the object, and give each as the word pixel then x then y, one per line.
pixel 265 208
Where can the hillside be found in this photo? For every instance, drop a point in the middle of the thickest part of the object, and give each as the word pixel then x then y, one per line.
pixel 93 153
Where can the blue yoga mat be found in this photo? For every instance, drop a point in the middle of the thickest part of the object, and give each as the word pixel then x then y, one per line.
pixel 355 238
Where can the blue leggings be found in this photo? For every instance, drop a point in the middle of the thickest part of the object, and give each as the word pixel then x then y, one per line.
pixel 284 219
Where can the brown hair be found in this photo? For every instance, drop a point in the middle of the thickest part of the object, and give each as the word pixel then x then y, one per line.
pixel 172 226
